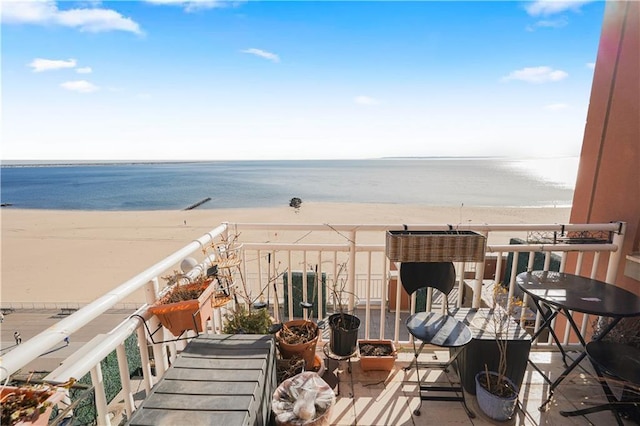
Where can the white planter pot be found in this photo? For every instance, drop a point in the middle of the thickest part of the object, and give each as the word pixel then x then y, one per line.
pixel 497 407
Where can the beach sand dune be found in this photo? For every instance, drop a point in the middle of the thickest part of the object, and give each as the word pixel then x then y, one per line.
pixel 76 256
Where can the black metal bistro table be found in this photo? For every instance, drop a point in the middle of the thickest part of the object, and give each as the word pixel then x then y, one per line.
pixel 556 292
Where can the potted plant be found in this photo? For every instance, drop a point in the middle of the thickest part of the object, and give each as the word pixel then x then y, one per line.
pixel 30 404
pixel 496 393
pixel 243 320
pixel 344 327
pixel 298 338
pixel 248 315
pixel 186 305
pixel 376 354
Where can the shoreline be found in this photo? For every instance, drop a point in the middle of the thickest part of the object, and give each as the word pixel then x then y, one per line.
pixel 71 256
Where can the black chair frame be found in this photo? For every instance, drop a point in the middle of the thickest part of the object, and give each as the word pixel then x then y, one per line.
pixel 441 330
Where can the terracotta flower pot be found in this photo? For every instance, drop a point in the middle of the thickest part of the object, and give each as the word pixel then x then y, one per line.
pixel 377 362
pixel 185 315
pixel 306 351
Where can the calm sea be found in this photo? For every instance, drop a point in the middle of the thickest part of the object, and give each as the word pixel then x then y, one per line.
pixel 241 184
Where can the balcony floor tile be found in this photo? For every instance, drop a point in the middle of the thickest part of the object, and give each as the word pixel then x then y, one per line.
pixel 389 398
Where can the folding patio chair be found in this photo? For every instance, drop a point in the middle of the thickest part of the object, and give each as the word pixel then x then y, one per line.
pixel 431 328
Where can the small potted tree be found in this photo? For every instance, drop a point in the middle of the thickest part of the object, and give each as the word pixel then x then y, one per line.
pixel 496 393
pixel 344 327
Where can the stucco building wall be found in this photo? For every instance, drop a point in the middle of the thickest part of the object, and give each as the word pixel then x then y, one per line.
pixel 608 184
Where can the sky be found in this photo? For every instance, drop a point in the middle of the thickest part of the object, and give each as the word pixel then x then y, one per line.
pixel 229 80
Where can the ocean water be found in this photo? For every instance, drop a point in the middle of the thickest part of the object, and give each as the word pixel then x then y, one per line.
pixel 242 184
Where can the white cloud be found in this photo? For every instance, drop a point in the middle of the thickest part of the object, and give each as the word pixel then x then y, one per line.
pixel 193 5
pixel 263 54
pixel 34 12
pixel 366 100
pixel 46 12
pixel 591 65
pixel 40 64
pixel 551 7
pixel 84 70
pixel 555 23
pixel 81 86
pixel 549 23
pixel 556 107
pixel 536 75
pixel 96 20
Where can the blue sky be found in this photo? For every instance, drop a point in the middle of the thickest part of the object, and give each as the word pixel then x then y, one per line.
pixel 189 80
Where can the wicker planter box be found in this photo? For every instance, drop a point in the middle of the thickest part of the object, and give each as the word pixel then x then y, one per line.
pixel 435 246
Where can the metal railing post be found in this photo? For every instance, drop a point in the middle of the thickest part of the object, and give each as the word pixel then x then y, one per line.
pixel 352 270
pixel 144 359
pixel 615 256
pixel 383 293
pixel 100 395
pixel 123 368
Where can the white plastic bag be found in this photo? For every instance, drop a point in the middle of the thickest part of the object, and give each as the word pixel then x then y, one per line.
pixel 304 399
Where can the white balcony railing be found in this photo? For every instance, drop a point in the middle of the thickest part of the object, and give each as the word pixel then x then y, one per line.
pixel 353 253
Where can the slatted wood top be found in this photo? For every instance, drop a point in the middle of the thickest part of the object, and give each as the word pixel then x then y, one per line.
pixel 482 325
pixel 216 380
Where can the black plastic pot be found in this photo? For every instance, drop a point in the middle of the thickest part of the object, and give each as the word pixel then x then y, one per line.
pixel 343 339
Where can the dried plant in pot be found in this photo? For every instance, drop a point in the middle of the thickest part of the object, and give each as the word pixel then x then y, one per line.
pixel 186 305
pixel 497 394
pixel 298 338
pixel 288 368
pixel 377 355
pixel 343 325
pixel 30 404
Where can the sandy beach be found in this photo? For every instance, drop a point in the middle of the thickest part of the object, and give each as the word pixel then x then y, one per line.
pixel 58 257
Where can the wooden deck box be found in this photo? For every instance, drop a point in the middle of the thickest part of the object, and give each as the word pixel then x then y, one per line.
pixel 218 380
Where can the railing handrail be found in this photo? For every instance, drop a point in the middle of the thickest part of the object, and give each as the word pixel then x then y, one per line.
pixel 573 227
pixel 34 347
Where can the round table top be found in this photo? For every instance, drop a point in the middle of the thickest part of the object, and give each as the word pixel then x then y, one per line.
pixel 580 294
